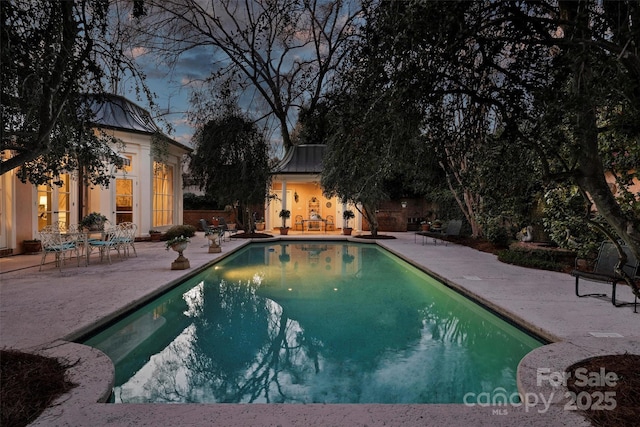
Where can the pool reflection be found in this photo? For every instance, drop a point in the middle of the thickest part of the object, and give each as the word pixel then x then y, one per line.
pixel 302 323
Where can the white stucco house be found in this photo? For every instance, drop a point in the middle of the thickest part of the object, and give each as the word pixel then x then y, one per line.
pixel 146 191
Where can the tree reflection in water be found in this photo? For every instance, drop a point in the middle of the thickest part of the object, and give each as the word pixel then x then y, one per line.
pixel 376 331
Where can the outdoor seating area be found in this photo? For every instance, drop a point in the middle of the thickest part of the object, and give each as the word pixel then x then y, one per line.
pixel 65 242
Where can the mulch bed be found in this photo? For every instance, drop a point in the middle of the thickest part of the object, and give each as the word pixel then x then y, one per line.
pixel 250 236
pixel 370 237
pixel 30 383
pixel 607 404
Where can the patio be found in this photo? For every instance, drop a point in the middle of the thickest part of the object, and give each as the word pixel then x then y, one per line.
pixel 43 311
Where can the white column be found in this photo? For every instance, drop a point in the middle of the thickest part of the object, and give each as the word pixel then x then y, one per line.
pixel 284 197
pixel 284 194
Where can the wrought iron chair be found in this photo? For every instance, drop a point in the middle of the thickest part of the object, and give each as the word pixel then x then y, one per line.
pixel 111 241
pixel 298 223
pixel 225 229
pixel 127 237
pixel 53 243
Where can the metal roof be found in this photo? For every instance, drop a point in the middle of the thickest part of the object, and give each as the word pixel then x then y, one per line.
pixel 304 158
pixel 117 112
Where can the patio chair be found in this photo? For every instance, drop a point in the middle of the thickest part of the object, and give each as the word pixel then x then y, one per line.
pixel 127 237
pixel 298 223
pixel 604 272
pixel 53 243
pixel 225 229
pixel 330 223
pixel 111 241
pixel 452 229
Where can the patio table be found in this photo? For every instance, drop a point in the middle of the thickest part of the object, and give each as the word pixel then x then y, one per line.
pixel 320 227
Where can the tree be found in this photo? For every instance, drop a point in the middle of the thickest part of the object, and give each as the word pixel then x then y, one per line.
pixel 284 53
pixel 52 53
pixel 369 146
pixel 230 162
pixel 560 78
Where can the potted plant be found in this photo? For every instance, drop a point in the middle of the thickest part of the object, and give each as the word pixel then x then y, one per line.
pixel 178 239
pixel 213 235
pixel 259 224
pixel 347 215
pixel 31 246
pixel 155 235
pixel 178 244
pixel 425 225
pixel 284 214
pixel 93 222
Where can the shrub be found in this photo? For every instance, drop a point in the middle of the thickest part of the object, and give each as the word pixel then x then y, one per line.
pixel 496 232
pixel 180 230
pixel 533 259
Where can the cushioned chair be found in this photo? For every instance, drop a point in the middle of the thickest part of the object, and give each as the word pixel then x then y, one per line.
pixel 127 237
pixel 54 243
pixel 110 242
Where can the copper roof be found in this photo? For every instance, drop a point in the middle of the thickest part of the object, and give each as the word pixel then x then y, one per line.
pixel 304 158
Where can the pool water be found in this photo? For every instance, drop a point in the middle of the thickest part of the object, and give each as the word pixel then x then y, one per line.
pixel 312 322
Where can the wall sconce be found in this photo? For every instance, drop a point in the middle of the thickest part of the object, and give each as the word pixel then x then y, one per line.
pixel 295 196
pixel 403 204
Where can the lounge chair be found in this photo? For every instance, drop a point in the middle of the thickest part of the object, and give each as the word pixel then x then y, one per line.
pixel 604 272
pixel 452 229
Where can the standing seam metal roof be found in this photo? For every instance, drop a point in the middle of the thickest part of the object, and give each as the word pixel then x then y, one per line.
pixel 304 158
pixel 117 112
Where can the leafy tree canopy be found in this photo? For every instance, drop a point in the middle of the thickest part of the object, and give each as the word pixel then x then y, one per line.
pixel 52 53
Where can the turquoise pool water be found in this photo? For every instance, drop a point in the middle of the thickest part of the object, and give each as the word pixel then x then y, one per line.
pixel 312 322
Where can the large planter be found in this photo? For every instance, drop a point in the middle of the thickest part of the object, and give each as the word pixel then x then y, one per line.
pixel 347 231
pixel 31 246
pixel 181 263
pixel 260 226
pixel 425 227
pixel 214 247
pixel 284 231
pixel 155 237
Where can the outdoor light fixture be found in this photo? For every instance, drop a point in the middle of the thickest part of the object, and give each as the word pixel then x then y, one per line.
pixel 403 204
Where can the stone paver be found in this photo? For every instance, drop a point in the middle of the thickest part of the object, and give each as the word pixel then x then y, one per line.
pixel 43 311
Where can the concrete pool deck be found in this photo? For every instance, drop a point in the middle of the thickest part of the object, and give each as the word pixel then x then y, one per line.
pixel 43 311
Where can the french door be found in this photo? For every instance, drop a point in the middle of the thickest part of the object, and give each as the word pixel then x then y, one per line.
pixel 54 204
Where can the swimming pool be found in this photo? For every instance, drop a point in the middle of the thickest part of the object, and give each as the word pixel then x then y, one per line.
pixel 312 322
